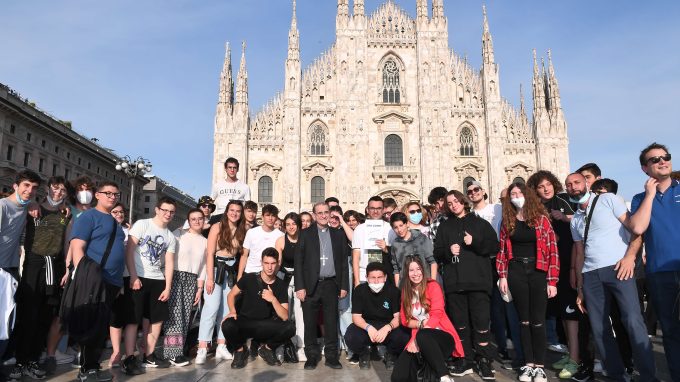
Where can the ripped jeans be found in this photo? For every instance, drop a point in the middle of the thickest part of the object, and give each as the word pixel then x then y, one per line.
pixel 469 312
pixel 528 287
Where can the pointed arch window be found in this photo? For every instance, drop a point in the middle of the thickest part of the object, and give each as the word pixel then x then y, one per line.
pixel 318 140
pixel 394 151
pixel 265 190
pixel 391 92
pixel 318 189
pixel 467 142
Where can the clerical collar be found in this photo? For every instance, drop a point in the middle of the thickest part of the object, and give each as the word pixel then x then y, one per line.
pixel 322 229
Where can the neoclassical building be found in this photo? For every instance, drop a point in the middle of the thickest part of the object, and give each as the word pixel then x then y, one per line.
pixel 389 109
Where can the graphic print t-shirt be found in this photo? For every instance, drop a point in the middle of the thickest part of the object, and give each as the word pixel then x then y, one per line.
pixel 223 192
pixel 153 243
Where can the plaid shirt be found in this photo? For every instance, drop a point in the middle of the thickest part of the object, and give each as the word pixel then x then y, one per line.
pixel 547 258
pixel 434 225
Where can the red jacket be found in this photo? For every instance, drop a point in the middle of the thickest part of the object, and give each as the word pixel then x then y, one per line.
pixel 438 318
pixel 547 258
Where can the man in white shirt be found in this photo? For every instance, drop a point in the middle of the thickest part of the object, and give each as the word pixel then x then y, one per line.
pixel 231 188
pixel 257 240
pixel 364 249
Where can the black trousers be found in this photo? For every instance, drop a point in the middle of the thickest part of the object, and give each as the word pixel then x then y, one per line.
pixel 467 309
pixel 91 350
pixel 528 287
pixel 325 297
pixel 435 347
pixel 35 312
pixel 358 342
pixel 270 331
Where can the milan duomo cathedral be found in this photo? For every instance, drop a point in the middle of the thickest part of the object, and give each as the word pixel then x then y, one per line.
pixel 389 109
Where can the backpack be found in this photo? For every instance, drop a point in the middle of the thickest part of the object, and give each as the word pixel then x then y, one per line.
pixel 85 309
pixel 48 239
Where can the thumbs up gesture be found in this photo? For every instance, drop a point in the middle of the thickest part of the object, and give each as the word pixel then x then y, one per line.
pixel 268 295
pixel 467 238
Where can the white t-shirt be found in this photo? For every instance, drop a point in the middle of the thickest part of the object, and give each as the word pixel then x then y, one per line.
pixel 223 191
pixel 191 250
pixel 256 241
pixel 493 213
pixel 153 243
pixel 358 240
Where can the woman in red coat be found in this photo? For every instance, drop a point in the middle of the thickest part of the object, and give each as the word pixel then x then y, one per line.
pixel 432 334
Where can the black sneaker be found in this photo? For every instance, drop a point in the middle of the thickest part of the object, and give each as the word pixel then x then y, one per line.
pixel 461 368
pixel 240 359
pixel 17 371
pixel 152 360
pixel 130 366
pixel 268 356
pixel 311 363
pixel 389 361
pixel 486 370
pixel 179 361
pixel 365 361
pixel 333 363
pixel 50 365
pixel 354 359
pixel 33 371
pixel 583 374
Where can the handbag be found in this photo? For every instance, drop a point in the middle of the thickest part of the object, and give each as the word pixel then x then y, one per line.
pixel 290 352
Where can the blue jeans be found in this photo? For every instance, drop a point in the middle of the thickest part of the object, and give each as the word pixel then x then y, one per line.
pixel 664 288
pixel 214 310
pixel 599 288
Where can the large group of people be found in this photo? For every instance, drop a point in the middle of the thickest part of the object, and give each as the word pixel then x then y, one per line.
pixel 435 291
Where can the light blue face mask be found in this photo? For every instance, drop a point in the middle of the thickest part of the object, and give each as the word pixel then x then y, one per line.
pixel 22 202
pixel 416 218
pixel 582 200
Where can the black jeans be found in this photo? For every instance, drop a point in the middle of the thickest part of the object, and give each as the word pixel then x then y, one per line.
pixel 471 308
pixel 435 347
pixel 357 339
pixel 325 297
pixel 528 287
pixel 270 331
pixel 91 350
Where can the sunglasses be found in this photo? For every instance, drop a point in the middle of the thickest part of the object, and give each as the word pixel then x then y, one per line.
pixel 473 190
pixel 413 211
pixel 657 159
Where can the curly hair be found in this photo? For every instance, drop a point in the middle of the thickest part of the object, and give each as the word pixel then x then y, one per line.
pixel 541 175
pixel 532 210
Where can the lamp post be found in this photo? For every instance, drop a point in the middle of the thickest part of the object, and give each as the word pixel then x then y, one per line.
pixel 132 168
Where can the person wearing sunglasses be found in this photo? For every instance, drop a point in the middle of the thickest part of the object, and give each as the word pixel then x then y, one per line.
pixel 656 215
pixel 207 205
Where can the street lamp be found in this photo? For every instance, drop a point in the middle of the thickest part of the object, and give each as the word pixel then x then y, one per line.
pixel 132 168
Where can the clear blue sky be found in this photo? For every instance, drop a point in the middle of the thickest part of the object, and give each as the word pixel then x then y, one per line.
pixel 142 76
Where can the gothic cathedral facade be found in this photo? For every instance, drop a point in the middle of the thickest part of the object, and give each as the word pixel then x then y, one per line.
pixel 389 109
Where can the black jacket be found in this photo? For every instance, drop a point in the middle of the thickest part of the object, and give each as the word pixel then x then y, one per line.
pixel 472 271
pixel 307 259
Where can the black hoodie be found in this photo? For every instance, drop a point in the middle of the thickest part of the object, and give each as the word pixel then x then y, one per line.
pixel 472 271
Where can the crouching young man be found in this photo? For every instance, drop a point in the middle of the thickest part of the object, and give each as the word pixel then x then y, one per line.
pixel 261 314
pixel 375 319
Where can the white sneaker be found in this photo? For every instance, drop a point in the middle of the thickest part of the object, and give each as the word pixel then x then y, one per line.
pixel 10 362
pixel 558 348
pixel 301 355
pixel 222 353
pixel 526 373
pixel 539 375
pixel 597 366
pixel 201 356
pixel 446 378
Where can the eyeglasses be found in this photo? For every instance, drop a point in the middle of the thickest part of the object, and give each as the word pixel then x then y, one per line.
pixel 473 190
pixel 657 159
pixel 374 208
pixel 196 219
pixel 413 211
pixel 117 212
pixel 109 194
pixel 170 212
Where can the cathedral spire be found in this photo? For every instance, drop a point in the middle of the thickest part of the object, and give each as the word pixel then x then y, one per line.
pixel 538 89
pixel 437 10
pixel 421 10
pixel 487 42
pixel 242 79
pixel 343 14
pixel 522 108
pixel 554 95
pixel 226 97
pixel 294 38
pixel 358 8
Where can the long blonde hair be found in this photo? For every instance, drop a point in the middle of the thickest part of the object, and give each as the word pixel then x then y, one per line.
pixel 408 291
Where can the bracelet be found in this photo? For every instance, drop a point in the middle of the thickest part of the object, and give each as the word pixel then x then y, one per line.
pixel 390 324
pixel 368 326
pixel 420 324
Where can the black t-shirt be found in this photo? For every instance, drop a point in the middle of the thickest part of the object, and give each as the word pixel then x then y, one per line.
pixel 376 307
pixel 563 232
pixel 253 306
pixel 523 240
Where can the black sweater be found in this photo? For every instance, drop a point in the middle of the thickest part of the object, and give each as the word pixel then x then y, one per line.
pixel 472 272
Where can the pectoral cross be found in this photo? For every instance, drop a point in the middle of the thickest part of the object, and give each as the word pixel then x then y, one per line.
pixel 323 259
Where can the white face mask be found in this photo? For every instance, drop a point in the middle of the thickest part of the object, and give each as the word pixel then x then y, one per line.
pixel 52 202
pixel 518 202
pixel 377 287
pixel 84 197
pixel 582 199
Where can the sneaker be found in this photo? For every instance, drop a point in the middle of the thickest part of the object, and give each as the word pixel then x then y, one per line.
pixel 559 365
pixel 597 366
pixel 539 375
pixel 17 371
pixel 130 366
pixel 486 370
pixel 268 356
pixel 526 374
pixel 50 365
pixel 583 374
pixel 33 371
pixel 95 376
pixel 152 361
pixel 558 348
pixel 516 364
pixel 179 361
pixel 446 378
pixel 222 353
pixel 62 358
pixel 302 357
pixel 504 356
pixel 240 359
pixel 365 361
pixel 461 368
pixel 333 363
pixel 75 364
pixel 568 370
pixel 201 356
pixel 354 359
